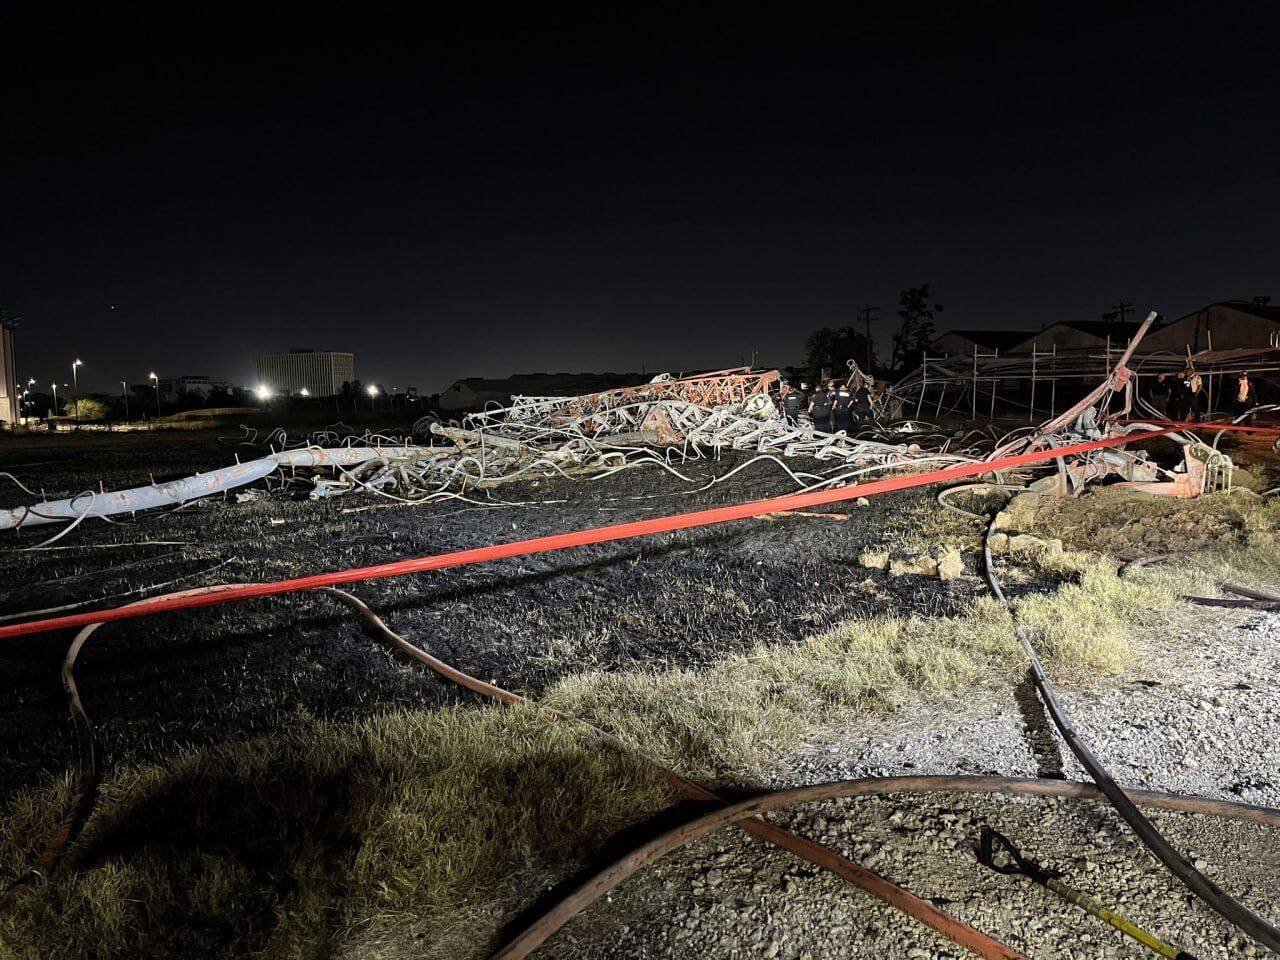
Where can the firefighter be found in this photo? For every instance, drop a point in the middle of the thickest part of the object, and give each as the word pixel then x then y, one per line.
pixel 1196 399
pixel 1179 397
pixel 820 409
pixel 1159 393
pixel 862 410
pixel 1244 399
pixel 842 408
pixel 791 404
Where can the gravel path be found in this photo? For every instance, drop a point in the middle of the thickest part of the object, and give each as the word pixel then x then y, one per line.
pixel 1199 714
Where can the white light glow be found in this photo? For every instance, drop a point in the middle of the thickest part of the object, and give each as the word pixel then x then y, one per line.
pixel 305 392
pixel 373 391
pixel 263 393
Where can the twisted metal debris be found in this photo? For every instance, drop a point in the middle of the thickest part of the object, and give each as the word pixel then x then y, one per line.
pixel 664 424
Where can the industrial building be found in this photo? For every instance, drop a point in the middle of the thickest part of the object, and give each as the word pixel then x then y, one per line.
pixel 197 385
pixel 1226 325
pixel 316 373
pixel 955 342
pixel 9 391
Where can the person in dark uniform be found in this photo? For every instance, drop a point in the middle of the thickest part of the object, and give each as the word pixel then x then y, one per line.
pixel 791 405
pixel 1197 400
pixel 1244 399
pixel 1179 397
pixel 820 409
pixel 862 411
pixel 842 408
pixel 1158 393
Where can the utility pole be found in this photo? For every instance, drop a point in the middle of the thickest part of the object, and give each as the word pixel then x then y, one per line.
pixel 865 315
pixel 1119 312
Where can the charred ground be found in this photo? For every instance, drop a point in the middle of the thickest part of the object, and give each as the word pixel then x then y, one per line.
pixel 676 600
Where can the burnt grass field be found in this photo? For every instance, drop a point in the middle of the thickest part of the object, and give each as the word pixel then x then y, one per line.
pixel 231 672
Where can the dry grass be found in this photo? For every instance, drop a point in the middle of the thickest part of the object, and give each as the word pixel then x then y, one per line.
pixel 285 847
pixel 731 721
pixel 1233 536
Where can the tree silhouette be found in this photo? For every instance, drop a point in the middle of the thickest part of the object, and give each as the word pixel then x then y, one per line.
pixel 916 331
pixel 831 350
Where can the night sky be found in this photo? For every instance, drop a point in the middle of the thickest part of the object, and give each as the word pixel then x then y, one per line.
pixel 449 199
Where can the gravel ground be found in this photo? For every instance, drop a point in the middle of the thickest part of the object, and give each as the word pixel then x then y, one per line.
pixel 1200 714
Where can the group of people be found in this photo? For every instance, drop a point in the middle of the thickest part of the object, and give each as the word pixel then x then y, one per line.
pixel 831 408
pixel 1187 399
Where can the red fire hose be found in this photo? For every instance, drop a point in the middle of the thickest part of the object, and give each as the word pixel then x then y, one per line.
pixel 577 538
pixel 1201 427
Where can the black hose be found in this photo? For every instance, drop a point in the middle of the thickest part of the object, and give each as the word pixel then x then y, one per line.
pixel 1214 896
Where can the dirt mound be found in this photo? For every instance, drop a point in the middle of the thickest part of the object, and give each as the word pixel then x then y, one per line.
pixel 1124 523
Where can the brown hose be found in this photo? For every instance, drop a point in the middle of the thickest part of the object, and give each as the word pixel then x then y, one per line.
pixel 85 790
pixel 886 890
pixel 609 877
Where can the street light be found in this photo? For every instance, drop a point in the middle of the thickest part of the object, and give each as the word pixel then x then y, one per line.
pixel 263 392
pixel 373 398
pixel 152 376
pixel 124 392
pixel 304 392
pixel 55 398
pixel 75 386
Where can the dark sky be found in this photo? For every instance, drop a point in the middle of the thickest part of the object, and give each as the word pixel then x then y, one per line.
pixel 448 199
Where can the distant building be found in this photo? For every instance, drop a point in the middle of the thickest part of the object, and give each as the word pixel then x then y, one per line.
pixel 964 342
pixel 1067 335
pixel 1226 325
pixel 194 384
pixel 320 373
pixel 9 399
pixel 472 393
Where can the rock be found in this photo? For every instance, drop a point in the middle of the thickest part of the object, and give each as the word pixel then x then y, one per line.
pixel 1023 544
pixel 874 559
pixel 999 543
pixel 1002 521
pixel 923 566
pixel 949 563
pixel 714 876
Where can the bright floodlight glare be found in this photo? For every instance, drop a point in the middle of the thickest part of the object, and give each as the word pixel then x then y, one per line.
pixel 373 391
pixel 78 363
pixel 152 376
pixel 263 393
pixel 305 392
